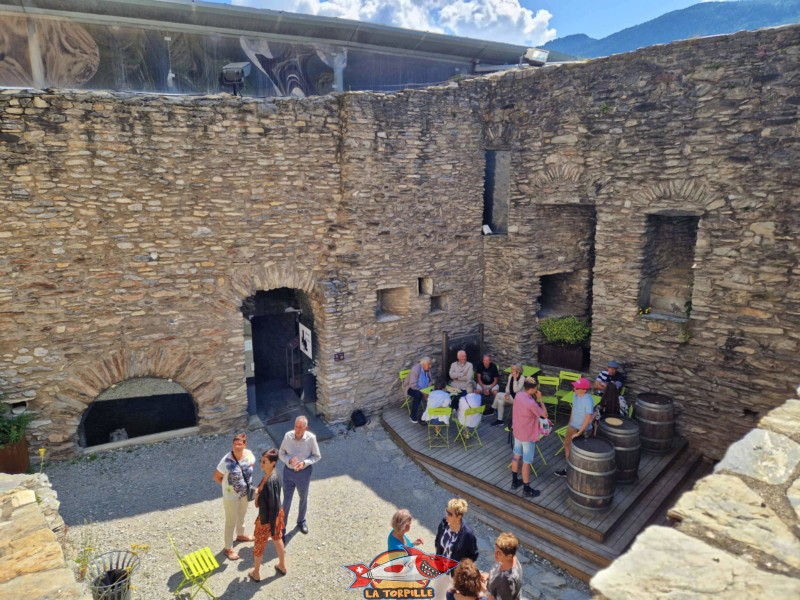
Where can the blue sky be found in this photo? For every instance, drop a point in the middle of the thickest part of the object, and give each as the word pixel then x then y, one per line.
pixel 531 22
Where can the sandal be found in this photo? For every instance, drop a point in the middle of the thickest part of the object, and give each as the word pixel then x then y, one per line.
pixel 245 538
pixel 231 554
pixel 251 576
pixel 279 570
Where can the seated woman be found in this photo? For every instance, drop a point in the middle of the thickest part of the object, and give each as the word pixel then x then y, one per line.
pixel 401 524
pixel 438 398
pixel 467 582
pixel 471 400
pixel 513 387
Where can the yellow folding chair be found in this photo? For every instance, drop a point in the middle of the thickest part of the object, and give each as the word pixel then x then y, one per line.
pixel 561 432
pixel 549 398
pixel 529 371
pixel 469 435
pixel 197 567
pixel 407 399
pixel 563 377
pixel 439 434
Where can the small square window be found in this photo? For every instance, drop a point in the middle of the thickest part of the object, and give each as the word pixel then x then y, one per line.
pixel 438 304
pixel 392 303
pixel 425 286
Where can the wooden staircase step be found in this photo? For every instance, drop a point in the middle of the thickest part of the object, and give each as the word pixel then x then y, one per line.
pixel 514 519
pixel 572 563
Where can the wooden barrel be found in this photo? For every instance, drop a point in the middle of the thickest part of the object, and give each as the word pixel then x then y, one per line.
pixel 624 434
pixel 655 413
pixel 591 473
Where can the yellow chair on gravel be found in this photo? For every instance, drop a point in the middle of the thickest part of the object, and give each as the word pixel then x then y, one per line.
pixel 197 567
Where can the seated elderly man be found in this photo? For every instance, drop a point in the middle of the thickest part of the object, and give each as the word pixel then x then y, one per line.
pixel 610 375
pixel 488 378
pixel 418 379
pixel 461 372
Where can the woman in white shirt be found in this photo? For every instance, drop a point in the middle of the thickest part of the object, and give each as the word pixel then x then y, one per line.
pixel 514 385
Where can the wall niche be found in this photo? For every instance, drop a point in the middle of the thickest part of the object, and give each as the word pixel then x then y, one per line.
pixel 667 276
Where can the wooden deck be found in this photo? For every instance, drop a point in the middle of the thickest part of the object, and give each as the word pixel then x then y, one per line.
pixel 580 541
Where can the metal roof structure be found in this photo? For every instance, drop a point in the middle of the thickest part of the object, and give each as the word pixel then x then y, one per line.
pixel 205 17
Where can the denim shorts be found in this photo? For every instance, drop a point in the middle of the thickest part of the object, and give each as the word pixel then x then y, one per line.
pixel 526 449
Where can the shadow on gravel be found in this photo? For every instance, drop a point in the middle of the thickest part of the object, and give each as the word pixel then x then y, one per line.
pixel 178 473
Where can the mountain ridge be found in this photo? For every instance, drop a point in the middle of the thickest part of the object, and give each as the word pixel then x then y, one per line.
pixel 698 20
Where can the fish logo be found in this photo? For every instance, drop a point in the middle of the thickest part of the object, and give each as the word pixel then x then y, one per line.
pixel 412 569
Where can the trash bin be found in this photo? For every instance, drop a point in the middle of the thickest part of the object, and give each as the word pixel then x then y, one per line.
pixel 110 575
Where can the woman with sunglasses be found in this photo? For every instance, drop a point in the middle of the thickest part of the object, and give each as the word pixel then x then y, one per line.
pixel 454 539
pixel 271 520
pixel 235 473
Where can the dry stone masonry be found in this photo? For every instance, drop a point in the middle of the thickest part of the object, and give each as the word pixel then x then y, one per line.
pixel 32 563
pixel 737 532
pixel 135 226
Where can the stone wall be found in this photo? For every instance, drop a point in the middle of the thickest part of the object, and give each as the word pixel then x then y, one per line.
pixel 135 226
pixel 32 563
pixel 736 533
pixel 704 128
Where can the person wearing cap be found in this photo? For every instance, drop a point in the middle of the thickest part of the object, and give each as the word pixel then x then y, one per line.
pixel 581 417
pixel 610 375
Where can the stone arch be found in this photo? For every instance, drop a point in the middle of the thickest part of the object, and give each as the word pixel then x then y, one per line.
pixel 246 281
pixel 691 196
pixel 90 378
pixel 558 178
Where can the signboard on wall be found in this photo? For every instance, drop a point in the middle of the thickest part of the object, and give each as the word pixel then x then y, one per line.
pixel 305 340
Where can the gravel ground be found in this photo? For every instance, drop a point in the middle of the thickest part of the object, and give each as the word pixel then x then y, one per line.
pixel 140 495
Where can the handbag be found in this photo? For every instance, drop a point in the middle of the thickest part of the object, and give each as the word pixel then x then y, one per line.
pixel 251 493
pixel 545 426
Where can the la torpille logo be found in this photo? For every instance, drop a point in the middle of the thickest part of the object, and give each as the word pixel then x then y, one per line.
pixel 402 573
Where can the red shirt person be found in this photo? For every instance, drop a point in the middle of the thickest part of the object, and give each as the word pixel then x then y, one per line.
pixel 528 408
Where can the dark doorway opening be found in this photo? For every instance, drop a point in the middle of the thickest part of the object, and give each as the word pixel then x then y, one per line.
pixel 277 371
pixel 135 408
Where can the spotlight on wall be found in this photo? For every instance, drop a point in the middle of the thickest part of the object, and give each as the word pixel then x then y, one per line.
pixel 233 75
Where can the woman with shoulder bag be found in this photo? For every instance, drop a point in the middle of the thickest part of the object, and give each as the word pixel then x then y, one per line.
pixel 270 521
pixel 235 473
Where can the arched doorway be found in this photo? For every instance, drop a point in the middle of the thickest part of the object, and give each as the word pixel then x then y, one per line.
pixel 278 358
pixel 135 410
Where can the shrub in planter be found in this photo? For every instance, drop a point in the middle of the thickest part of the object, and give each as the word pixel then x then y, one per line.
pixel 565 331
pixel 563 346
pixel 13 446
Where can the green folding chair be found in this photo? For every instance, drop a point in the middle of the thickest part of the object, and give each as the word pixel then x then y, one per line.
pixel 529 371
pixel 561 432
pixel 565 399
pixel 439 435
pixel 549 397
pixel 468 435
pixel 197 567
pixel 408 399
pixel 564 377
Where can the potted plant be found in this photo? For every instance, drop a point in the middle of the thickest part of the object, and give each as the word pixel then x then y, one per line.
pixel 13 445
pixel 564 342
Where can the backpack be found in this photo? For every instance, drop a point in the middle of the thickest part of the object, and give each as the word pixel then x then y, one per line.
pixel 357 419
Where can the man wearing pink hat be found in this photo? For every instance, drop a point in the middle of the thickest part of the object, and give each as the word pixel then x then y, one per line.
pixel 580 419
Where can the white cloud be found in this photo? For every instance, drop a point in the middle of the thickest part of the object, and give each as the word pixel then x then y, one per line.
pixel 499 20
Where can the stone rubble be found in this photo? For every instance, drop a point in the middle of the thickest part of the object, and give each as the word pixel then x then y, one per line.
pixel 737 533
